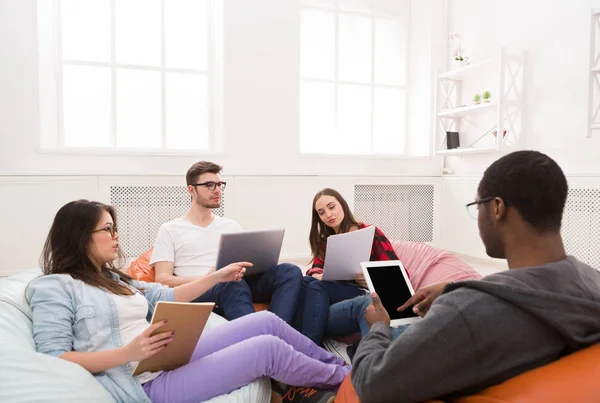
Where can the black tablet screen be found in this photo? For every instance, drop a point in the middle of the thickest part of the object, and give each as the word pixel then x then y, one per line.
pixel 392 289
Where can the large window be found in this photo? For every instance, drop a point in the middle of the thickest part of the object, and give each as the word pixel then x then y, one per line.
pixel 353 76
pixel 135 74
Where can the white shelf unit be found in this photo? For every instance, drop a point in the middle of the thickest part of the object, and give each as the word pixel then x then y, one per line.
pixel 462 111
pixel 594 79
pixel 454 108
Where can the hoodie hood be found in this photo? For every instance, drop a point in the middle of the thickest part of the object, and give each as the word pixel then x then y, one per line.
pixel 565 295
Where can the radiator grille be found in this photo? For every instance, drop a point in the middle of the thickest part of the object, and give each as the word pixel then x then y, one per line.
pixel 581 225
pixel 401 211
pixel 142 209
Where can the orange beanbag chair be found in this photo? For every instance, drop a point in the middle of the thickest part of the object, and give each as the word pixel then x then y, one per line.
pixel 572 378
pixel 140 268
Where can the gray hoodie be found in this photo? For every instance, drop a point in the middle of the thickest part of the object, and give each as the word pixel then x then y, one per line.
pixel 480 333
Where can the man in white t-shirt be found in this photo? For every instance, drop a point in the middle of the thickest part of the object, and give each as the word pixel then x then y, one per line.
pixel 186 248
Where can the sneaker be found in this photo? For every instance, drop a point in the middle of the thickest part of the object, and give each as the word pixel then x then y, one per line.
pixel 301 394
pixel 351 350
pixel 337 348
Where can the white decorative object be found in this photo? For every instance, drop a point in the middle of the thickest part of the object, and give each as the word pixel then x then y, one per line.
pixel 458 52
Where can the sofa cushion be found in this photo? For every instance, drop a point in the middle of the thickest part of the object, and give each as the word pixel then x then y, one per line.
pixel 15 315
pixel 28 376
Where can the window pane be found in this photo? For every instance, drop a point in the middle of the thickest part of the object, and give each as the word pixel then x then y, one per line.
pixel 390 52
pixel 85 27
pixel 317 44
pixel 186 34
pixel 357 5
pixel 317 117
pixel 319 3
pixel 398 9
pixel 355 48
pixel 138 109
pixel 138 32
pixel 86 106
pixel 187 111
pixel 389 117
pixel 354 120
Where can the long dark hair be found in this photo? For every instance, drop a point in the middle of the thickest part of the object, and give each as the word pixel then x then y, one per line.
pixel 319 231
pixel 67 247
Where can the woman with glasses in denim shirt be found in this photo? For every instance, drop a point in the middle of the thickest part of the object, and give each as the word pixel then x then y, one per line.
pixel 88 312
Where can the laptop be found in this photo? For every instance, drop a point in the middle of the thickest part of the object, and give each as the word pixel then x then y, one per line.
pixel 261 248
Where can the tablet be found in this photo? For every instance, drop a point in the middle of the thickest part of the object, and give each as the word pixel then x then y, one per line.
pixel 261 248
pixel 390 281
pixel 187 320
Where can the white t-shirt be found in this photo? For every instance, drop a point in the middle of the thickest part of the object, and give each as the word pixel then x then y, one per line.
pixel 132 311
pixel 191 248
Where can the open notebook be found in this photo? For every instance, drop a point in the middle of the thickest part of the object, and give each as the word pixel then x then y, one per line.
pixel 188 321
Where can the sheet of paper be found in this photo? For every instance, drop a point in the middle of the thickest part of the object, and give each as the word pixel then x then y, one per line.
pixel 345 252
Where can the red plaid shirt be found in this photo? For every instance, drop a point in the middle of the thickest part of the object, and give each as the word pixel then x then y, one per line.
pixel 382 250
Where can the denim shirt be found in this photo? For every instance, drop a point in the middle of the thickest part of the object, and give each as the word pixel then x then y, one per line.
pixel 69 315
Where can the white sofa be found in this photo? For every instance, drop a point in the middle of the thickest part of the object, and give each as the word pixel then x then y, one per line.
pixel 28 376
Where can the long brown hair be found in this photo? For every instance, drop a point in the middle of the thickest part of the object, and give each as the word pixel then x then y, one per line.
pixel 66 250
pixel 319 232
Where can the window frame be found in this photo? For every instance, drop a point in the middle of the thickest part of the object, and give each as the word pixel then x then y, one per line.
pixel 52 137
pixel 337 11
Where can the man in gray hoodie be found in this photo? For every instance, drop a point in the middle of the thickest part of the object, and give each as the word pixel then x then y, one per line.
pixel 480 333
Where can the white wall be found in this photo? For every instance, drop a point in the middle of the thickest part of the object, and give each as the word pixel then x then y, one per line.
pixel 261 49
pixel 555 36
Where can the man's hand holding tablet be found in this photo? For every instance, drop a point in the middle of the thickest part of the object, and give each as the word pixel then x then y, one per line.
pixel 376 312
pixel 390 282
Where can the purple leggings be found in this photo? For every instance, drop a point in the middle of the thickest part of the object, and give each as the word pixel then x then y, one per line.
pixel 236 353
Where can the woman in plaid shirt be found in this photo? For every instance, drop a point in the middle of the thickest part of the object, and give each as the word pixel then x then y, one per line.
pixel 331 215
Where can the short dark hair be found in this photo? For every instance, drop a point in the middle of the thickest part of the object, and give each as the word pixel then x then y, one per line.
pixel 532 183
pixel 199 168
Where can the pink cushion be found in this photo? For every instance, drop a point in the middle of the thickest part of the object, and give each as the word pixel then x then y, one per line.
pixel 427 265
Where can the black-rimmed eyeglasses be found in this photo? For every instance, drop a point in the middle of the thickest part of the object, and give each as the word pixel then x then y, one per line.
pixel 474 205
pixel 110 229
pixel 211 185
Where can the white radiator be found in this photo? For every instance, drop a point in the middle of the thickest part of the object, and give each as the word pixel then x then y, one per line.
pixel 581 225
pixel 401 211
pixel 142 209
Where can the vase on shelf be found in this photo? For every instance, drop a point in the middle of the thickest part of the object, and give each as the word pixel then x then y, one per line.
pixel 464 63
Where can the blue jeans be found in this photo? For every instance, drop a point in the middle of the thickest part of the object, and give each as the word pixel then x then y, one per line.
pixel 279 285
pixel 348 317
pixel 315 299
